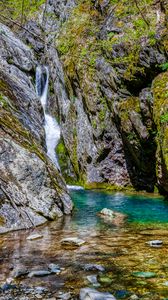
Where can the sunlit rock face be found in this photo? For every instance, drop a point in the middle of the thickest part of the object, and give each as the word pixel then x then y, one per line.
pixel 32 189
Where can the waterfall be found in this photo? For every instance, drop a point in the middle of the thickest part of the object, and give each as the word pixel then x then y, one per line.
pixel 51 127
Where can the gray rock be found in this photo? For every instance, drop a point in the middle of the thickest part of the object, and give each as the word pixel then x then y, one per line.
pixel 55 269
pixel 19 272
pixel 92 294
pixel 29 197
pixel 93 280
pixel 93 267
pixel 39 273
pixel 16 64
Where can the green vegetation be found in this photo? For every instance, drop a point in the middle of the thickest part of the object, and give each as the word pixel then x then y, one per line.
pixel 19 10
pixel 164 118
pixel 79 45
pixel 164 66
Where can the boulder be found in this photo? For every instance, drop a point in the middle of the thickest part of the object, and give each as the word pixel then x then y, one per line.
pixel 112 217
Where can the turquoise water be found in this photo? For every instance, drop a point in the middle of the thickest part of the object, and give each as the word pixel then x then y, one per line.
pixel 138 208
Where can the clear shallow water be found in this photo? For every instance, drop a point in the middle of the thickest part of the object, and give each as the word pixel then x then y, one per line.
pixel 122 250
pixel 138 208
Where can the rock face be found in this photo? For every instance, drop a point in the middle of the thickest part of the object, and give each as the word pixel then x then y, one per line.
pixel 160 111
pixel 32 190
pixel 102 63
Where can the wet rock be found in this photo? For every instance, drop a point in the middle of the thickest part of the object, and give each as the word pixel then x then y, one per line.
pixel 34 236
pixel 39 273
pixel 93 267
pixel 165 283
pixel 19 272
pixel 155 243
pixel 64 296
pixel 72 241
pixel 8 286
pixel 144 274
pixel 105 280
pixel 92 294
pixel 40 289
pixel 113 217
pixel 93 280
pixel 134 297
pixel 55 269
pixel 122 294
pixel 107 212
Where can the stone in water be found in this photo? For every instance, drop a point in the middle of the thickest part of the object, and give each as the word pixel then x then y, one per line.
pixel 92 294
pixel 155 243
pixel 144 274
pixel 34 236
pixel 72 241
pixel 39 273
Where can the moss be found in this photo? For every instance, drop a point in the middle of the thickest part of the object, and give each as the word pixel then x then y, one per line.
pixel 160 111
pixel 107 186
pixel 76 41
pixel 124 109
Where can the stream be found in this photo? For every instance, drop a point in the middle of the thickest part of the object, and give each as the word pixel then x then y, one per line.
pixel 122 250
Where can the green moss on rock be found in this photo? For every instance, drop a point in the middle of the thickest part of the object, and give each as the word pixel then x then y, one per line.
pixel 160 111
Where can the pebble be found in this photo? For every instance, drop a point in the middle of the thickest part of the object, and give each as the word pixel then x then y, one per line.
pixel 64 296
pixel 39 296
pixel 19 272
pixel 72 241
pixel 55 269
pixel 155 243
pixel 93 279
pixel 165 283
pixel 34 236
pixel 144 274
pixel 134 297
pixel 93 267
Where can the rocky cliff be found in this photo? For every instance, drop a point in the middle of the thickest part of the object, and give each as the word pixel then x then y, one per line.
pixel 108 90
pixel 32 190
pixel 104 59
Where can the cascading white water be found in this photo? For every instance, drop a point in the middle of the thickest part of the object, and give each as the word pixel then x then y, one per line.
pixel 75 187
pixel 51 127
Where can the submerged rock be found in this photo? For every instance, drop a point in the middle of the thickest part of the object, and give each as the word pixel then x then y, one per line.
pixel 34 236
pixel 39 273
pixel 155 243
pixel 19 272
pixel 93 267
pixel 92 294
pixel 55 269
pixel 93 280
pixel 107 212
pixel 72 241
pixel 105 280
pixel 113 217
pixel 144 274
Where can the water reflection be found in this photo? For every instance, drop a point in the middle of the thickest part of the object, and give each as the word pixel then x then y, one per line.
pixel 121 250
